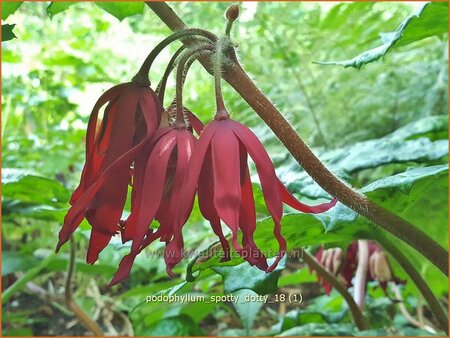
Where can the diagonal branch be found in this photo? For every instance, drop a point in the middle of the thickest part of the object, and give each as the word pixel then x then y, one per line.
pixel 240 81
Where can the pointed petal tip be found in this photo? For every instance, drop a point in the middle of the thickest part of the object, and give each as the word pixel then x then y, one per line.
pixel 169 271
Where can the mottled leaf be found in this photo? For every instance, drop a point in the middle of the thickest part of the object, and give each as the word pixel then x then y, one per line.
pixel 429 20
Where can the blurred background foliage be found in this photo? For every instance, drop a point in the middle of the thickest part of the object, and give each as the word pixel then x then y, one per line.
pixel 383 128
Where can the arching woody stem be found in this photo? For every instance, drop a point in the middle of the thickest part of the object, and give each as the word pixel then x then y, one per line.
pixel 239 80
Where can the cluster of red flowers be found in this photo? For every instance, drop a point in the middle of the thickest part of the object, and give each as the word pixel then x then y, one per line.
pixel 345 266
pixel 166 165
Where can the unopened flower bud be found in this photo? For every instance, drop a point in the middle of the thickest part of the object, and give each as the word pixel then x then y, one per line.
pixel 232 12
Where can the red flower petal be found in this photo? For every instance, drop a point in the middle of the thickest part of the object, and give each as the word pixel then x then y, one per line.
pixel 269 182
pixel 187 193
pixel 195 122
pixel 226 174
pixel 87 173
pixel 150 194
pixel 290 200
pixel 247 216
pixel 206 204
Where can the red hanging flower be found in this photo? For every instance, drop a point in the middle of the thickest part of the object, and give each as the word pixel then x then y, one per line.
pixel 159 175
pixel 219 170
pixel 130 119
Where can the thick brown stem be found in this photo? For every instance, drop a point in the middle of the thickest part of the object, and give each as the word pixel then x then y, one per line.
pixel 239 80
pixel 357 315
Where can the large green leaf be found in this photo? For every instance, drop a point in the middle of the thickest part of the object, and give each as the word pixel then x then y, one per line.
pixel 121 10
pixel 56 7
pixel 178 326
pixel 246 308
pixel 9 7
pixel 375 153
pixel 433 21
pixel 429 20
pixel 298 317
pixel 244 276
pixel 33 190
pixel 13 262
pixel 318 329
pixel 7 32
pixel 423 141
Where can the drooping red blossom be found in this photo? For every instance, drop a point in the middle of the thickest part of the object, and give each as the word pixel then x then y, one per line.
pixel 345 267
pixel 130 119
pixel 159 175
pixel 219 171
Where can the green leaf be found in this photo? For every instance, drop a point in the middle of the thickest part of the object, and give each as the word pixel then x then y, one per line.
pixel 122 9
pixel 432 21
pixel 57 7
pixel 13 261
pixel 431 127
pixel 9 7
pixel 28 276
pixel 178 326
pixel 298 317
pixel 33 190
pixel 244 276
pixel 411 143
pixel 323 330
pixel 429 20
pixel 247 309
pixel 17 333
pixel 7 32
pixel 375 153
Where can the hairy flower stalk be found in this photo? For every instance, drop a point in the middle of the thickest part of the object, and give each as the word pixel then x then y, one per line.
pixel 161 88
